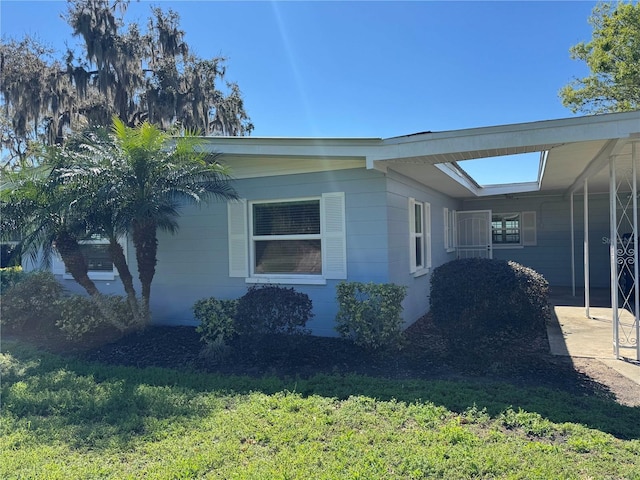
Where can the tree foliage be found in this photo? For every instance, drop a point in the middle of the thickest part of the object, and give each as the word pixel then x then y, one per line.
pixel 128 181
pixel 613 57
pixel 137 76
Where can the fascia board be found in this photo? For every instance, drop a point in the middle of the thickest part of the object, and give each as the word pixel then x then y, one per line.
pixel 531 136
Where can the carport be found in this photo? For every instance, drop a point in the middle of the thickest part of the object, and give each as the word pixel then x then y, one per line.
pixel 579 157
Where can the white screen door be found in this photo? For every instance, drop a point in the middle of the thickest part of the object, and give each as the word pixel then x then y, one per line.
pixel 474 234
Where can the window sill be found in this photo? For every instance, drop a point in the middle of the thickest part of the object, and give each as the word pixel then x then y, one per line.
pixel 450 250
pixel 288 280
pixel 94 276
pixel 421 272
pixel 507 247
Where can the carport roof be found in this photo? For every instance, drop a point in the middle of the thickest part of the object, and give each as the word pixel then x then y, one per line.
pixel 571 149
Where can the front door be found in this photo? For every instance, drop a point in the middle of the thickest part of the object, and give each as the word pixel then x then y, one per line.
pixel 474 234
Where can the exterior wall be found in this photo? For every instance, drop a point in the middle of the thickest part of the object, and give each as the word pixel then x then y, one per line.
pixel 194 263
pixel 399 189
pixel 552 255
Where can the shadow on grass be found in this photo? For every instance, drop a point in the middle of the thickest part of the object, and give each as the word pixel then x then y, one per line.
pixel 100 405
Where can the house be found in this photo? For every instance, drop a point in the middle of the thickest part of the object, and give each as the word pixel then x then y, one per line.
pixel 316 211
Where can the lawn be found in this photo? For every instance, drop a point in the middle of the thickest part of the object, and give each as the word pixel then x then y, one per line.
pixel 67 418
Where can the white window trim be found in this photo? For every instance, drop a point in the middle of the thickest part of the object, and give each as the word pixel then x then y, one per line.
pixel 527 230
pixel 332 237
pixel 419 270
pixel 281 277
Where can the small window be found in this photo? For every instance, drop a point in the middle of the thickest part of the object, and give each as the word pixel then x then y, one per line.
pixel 419 236
pixel 513 229
pixel 95 250
pixel 505 228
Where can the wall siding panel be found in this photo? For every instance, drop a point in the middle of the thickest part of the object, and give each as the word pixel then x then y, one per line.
pixel 552 255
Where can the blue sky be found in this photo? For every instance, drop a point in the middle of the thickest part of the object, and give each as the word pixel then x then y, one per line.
pixel 373 69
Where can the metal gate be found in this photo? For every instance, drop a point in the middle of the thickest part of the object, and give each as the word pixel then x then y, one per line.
pixel 625 299
pixel 474 234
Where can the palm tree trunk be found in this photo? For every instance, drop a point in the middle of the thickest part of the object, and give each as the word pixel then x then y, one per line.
pixel 146 245
pixel 75 262
pixel 117 256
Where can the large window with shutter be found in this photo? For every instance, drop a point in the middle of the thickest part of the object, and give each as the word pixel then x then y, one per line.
pixel 299 240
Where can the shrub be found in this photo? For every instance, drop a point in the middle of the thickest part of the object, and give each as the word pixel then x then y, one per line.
pixel 30 303
pixel 370 314
pixel 217 320
pixel 9 277
pixel 273 309
pixel 81 316
pixel 476 298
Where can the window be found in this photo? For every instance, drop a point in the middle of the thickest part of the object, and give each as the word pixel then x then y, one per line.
pixel 298 240
pixel 419 237
pixel 96 253
pixel 513 229
pixel 505 228
pixel 286 237
pixel 449 230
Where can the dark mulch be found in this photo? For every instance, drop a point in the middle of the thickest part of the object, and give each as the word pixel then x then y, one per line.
pixel 425 356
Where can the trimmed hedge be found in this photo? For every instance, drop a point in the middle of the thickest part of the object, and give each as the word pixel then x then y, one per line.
pixel 271 309
pixel 477 297
pixel 370 314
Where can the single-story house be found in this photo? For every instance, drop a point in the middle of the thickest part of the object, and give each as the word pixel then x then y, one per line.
pixel 316 211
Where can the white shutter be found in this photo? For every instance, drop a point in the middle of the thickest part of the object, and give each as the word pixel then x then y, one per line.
pixel 445 216
pixel 238 238
pixel 334 241
pixel 427 234
pixel 529 228
pixel 412 235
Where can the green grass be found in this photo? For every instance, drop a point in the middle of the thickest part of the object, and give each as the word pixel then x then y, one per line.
pixel 67 419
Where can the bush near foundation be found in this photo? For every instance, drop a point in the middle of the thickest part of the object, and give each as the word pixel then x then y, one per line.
pixel 273 310
pixel 9 276
pixel 217 319
pixel 30 302
pixel 370 314
pixel 82 317
pixel 478 302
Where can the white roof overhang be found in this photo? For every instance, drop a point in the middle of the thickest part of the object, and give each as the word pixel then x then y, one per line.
pixel 571 150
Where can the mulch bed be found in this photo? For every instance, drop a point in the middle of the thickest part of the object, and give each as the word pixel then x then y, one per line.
pixel 525 362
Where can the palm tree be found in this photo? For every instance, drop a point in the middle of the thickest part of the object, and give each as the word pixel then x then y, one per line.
pixel 40 208
pixel 140 179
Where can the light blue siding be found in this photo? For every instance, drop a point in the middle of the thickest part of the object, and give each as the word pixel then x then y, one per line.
pixel 194 263
pixel 552 254
pixel 399 189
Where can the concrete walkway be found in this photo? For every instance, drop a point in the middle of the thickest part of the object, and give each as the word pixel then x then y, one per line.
pixel 572 333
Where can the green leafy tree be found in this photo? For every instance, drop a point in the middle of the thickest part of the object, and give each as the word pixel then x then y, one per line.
pixel 613 57
pixel 120 70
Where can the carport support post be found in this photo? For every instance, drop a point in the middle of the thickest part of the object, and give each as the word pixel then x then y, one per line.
pixel 636 312
pixel 586 247
pixel 573 252
pixel 613 254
